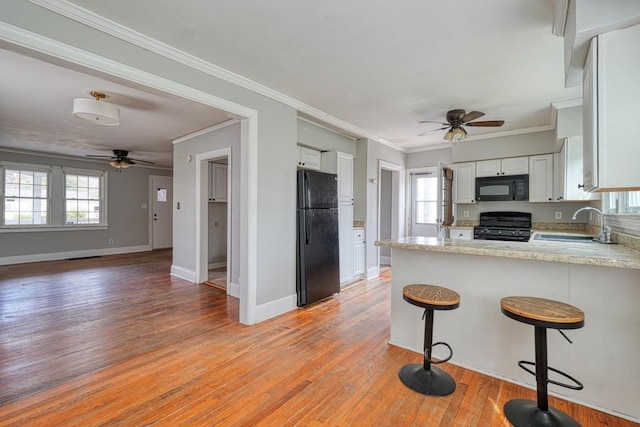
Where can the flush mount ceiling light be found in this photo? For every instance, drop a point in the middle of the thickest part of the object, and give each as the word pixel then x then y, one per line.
pixel 96 111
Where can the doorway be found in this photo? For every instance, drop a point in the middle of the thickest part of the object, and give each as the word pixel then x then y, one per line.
pixel 390 211
pixel 424 202
pixel 161 202
pixel 218 256
pixel 214 227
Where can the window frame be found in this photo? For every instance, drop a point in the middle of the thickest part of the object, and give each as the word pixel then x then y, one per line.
pixel 617 203
pixel 56 197
pixel 101 175
pixel 30 168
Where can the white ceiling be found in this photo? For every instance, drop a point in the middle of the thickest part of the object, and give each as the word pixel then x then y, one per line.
pixel 381 66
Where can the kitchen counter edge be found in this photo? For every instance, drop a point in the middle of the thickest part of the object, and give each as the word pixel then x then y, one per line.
pixel 572 253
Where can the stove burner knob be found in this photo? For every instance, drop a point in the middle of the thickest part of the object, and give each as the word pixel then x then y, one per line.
pixel 484 231
pixel 499 232
pixel 514 232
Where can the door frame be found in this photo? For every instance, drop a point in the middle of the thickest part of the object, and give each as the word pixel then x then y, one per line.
pixel 150 206
pixel 438 171
pixel 397 211
pixel 202 212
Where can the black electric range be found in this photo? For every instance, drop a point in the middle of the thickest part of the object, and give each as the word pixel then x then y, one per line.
pixel 513 226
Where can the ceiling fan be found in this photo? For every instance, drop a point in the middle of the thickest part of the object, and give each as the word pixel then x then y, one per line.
pixel 456 119
pixel 119 160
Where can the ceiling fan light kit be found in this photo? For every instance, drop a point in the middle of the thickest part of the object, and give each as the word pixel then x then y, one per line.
pixel 120 164
pixel 96 111
pixel 120 159
pixel 456 119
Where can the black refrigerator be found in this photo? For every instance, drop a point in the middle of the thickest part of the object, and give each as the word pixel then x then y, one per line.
pixel 318 264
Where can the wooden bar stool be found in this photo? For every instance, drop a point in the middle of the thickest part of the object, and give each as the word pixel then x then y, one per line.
pixel 542 314
pixel 422 377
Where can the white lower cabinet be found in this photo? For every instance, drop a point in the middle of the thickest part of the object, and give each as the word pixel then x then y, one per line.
pixel 461 233
pixel 358 252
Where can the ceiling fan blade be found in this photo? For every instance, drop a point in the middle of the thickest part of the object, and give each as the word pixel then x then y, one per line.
pixel 432 131
pixel 471 116
pixel 433 121
pixel 141 161
pixel 486 123
pixel 99 157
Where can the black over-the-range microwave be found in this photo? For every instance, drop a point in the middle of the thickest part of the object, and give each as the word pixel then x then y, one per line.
pixel 502 188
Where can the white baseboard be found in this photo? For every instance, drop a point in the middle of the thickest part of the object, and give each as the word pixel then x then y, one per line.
pixel 275 308
pixel 233 289
pixel 183 273
pixel 217 264
pixel 55 256
pixel 384 259
pixel 373 272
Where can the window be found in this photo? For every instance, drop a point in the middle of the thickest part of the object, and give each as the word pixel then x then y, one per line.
pixel 82 199
pixel 626 202
pixel 25 201
pixel 426 199
pixel 45 198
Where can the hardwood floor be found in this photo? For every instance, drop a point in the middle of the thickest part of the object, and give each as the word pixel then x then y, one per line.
pixel 117 341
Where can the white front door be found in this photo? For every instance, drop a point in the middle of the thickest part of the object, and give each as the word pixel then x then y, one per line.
pixel 426 198
pixel 161 212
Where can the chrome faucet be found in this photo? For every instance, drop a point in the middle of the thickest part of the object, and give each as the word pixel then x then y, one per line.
pixel 604 235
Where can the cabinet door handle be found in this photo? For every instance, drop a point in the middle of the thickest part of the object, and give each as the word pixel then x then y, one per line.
pixel 580 185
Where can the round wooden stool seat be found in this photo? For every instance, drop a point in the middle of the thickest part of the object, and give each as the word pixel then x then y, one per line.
pixel 431 297
pixel 542 312
pixel 422 377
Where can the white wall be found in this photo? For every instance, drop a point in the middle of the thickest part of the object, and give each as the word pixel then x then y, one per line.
pixel 507 146
pixel 314 136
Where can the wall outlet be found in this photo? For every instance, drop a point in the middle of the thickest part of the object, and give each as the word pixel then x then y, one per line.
pixel 215 224
pixel 143 206
pixel 111 241
pixel 558 215
pixel 465 214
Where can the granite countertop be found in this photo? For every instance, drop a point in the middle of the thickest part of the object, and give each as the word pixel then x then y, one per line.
pixel 568 252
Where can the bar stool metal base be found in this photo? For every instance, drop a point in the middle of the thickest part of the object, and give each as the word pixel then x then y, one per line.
pixel 432 382
pixel 525 413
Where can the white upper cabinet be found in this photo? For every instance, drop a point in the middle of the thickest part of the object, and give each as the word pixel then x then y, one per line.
pixel 217 182
pixel 541 178
pixel 611 110
pixel 507 166
pixel 308 158
pixel 464 182
pixel 342 165
pixel 567 172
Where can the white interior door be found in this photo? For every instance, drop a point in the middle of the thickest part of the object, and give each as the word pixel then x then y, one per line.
pixel 161 212
pixel 426 202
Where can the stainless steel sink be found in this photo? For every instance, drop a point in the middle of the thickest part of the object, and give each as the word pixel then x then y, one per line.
pixel 564 237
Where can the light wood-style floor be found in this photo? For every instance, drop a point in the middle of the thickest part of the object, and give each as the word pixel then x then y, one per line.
pixel 117 341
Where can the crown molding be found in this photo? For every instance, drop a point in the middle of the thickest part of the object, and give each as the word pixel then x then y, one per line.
pixel 205 131
pixel 100 23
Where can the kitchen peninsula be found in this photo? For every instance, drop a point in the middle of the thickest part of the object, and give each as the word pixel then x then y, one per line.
pixel 602 280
